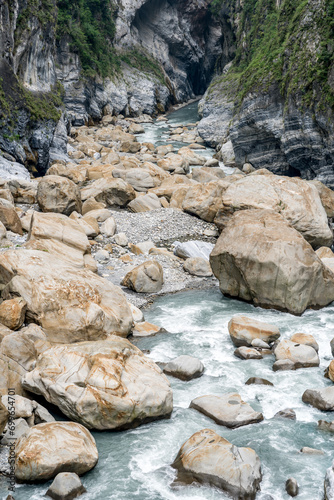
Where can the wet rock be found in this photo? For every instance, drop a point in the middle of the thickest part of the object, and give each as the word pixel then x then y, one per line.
pixel 191 249
pixel 40 454
pixel 12 313
pixel 9 217
pixel 303 356
pixel 284 365
pixel 197 266
pixel 325 426
pixel 247 260
pixel 260 344
pixel 311 451
pixel 58 194
pixel 145 278
pixel 229 410
pixel 287 413
pixel 66 486
pixel 70 304
pixel 112 192
pixel 291 487
pixel 103 384
pixel 208 458
pixel 184 367
pixel 146 329
pixel 258 381
pixel 323 399
pixel 329 483
pixel 247 353
pixel 305 339
pixel 244 330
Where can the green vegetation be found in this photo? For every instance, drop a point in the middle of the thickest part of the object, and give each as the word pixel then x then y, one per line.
pixel 291 44
pixel 91 26
pixel 43 10
pixel 144 63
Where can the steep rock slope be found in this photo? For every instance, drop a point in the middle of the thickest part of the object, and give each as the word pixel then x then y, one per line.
pixel 274 99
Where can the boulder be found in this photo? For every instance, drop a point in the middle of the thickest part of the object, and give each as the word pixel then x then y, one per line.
pixel 60 236
pixel 170 185
pixel 18 353
pixel 208 458
pixel 204 200
pixel 197 267
pixel 324 253
pixel 18 428
pixel 191 157
pixel 244 330
pixel 301 355
pixel 184 367
pixel 112 192
pixel 287 413
pixel 305 339
pixel 258 381
pixel 66 486
pixel 3 417
pixel 70 304
pixel 103 384
pixel 229 410
pixel 108 227
pixel 325 426
pixel 146 329
pixel 12 313
pixel 259 257
pixel 9 217
pixel 291 487
pixel 284 365
pixel 145 203
pixel 54 447
pixel 323 399
pixel 58 194
pixel 326 196
pixel 244 352
pixel 329 483
pixel 138 178
pixel 296 200
pixel 193 249
pixel 91 204
pixel 145 278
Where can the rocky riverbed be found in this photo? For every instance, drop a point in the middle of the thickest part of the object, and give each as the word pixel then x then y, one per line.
pixel 118 223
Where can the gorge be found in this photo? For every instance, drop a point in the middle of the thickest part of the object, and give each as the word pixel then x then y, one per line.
pixel 166 236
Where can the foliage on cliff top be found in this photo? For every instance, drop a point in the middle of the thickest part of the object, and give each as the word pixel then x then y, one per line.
pixel 91 26
pixel 288 41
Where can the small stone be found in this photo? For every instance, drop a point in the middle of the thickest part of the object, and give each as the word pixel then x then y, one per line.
pixel 146 329
pixel 66 486
pixel 102 255
pixel 108 227
pixel 258 381
pixel 121 239
pixel 287 413
pixel 184 367
pixel 247 353
pixel 12 313
pixel 291 487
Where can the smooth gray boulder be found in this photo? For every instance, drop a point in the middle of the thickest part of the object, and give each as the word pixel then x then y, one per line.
pixel 184 367
pixel 208 458
pixel 323 399
pixel 66 486
pixel 229 410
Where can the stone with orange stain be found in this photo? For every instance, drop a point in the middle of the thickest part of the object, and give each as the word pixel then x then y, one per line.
pixel 54 447
pixel 306 339
pixel 107 384
pixel 69 303
pixel 301 355
pixel 146 329
pixel 12 312
pixel 208 458
pixel 244 330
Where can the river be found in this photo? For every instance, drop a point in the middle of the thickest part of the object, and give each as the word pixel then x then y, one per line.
pixel 135 464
